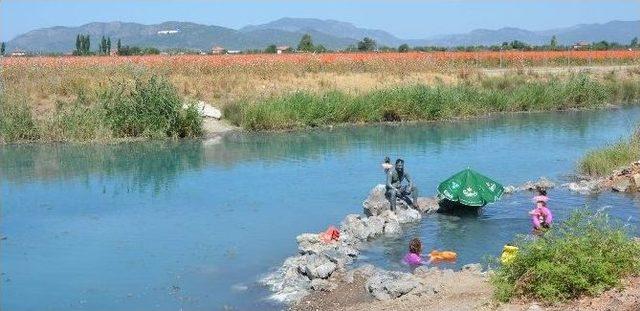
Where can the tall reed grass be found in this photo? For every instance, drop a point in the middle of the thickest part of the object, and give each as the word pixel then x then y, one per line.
pixel 604 161
pixel 439 102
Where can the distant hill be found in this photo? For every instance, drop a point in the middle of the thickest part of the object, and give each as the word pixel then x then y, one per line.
pixel 615 31
pixel 287 31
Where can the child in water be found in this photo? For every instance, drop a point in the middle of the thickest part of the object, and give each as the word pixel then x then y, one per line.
pixel 414 257
pixel 541 216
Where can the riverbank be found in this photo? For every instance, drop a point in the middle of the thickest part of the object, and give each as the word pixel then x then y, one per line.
pixel 63 100
pixel 462 290
pixel 436 102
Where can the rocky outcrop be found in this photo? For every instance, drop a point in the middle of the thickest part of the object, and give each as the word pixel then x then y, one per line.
pixel 385 285
pixel 541 183
pixel 624 180
pixel 377 203
pixel 317 260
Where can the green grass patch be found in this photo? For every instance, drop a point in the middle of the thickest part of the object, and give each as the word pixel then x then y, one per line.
pixel 585 255
pixel 438 102
pixel 149 109
pixel 604 161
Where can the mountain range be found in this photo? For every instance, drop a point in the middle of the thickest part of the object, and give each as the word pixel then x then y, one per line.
pixel 287 31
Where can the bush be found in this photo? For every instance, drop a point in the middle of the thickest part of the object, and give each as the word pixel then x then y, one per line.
pixel 586 255
pixel 152 109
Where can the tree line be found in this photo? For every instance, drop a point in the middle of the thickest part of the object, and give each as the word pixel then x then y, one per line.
pixel 83 47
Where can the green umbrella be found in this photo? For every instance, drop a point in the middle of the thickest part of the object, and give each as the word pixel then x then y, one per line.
pixel 470 188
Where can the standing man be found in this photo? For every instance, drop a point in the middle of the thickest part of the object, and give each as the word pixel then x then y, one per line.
pixel 395 189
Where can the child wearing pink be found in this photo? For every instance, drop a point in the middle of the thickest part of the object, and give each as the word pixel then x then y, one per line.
pixel 541 216
pixel 414 257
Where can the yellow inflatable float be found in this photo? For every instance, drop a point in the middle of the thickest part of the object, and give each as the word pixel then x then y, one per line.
pixel 443 256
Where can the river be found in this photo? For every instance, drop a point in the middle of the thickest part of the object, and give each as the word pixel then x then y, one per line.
pixel 193 225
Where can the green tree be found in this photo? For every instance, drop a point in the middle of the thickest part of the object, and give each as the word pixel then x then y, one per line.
pixel 2 48
pixel 119 45
pixel 634 42
pixel 320 48
pixel 367 44
pixel 271 49
pixel 403 48
pixel 103 45
pixel 78 45
pixel 109 45
pixel 306 44
pixel 554 42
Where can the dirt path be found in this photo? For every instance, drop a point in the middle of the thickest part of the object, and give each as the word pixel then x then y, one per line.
pixel 459 291
pixel 562 69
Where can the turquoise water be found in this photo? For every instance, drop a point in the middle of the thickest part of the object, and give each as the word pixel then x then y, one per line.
pixel 193 225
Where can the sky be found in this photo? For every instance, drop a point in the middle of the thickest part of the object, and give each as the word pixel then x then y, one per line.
pixel 405 19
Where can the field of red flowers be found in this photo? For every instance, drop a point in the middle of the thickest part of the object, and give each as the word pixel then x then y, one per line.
pixel 341 60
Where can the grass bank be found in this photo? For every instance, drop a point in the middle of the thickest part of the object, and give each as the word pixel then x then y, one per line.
pixel 586 255
pixel 147 108
pixel 604 161
pixel 511 93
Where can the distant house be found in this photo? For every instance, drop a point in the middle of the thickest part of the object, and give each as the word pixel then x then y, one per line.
pixel 168 32
pixel 18 53
pixel 581 45
pixel 234 52
pixel 217 50
pixel 282 48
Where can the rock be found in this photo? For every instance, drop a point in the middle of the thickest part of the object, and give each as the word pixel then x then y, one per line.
pixel 473 268
pixel 428 205
pixel 317 266
pixel 583 186
pixel 636 180
pixel 354 227
pixel 408 215
pixel 287 283
pixel 392 228
pixel 338 257
pixel 542 182
pixel 621 184
pixel 310 243
pixel 510 189
pixel 375 226
pixel 385 285
pixel 206 110
pixel 322 285
pixel 376 202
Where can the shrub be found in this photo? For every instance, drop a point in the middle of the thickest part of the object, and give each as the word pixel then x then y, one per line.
pixel 585 255
pixel 151 109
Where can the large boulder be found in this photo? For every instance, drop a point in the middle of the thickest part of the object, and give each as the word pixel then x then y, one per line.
pixel 376 202
pixel 317 266
pixel 428 205
pixel 621 184
pixel 355 227
pixel 408 215
pixel 310 243
pixel 392 227
pixel 385 285
pixel 287 283
pixel 375 226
